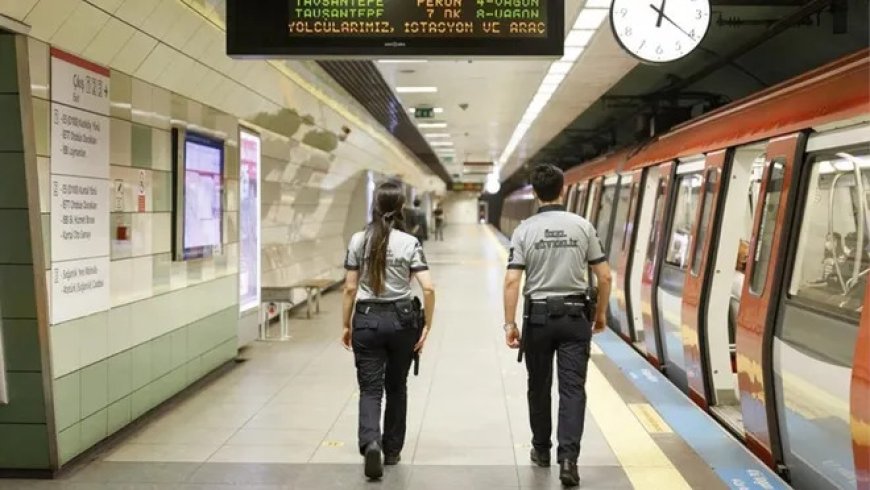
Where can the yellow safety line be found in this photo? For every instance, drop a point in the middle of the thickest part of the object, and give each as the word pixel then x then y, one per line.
pixel 641 458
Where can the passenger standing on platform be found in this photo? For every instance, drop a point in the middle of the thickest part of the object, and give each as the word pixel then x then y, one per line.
pixel 439 222
pixel 381 319
pixel 417 225
pixel 555 249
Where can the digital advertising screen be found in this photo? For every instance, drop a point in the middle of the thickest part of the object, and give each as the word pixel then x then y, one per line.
pixel 318 28
pixel 199 195
pixel 249 221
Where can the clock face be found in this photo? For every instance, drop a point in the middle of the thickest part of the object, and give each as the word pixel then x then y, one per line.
pixel 659 31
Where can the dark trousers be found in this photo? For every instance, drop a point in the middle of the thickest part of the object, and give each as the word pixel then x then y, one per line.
pixel 383 348
pixel 568 339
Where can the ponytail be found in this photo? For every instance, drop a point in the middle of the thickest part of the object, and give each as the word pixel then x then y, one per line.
pixel 387 216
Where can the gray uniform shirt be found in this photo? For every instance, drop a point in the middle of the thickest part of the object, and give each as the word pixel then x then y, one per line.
pixel 404 257
pixel 555 248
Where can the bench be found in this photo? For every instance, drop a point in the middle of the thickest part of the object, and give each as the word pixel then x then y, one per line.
pixel 283 295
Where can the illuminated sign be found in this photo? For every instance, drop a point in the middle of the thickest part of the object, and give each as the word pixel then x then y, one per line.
pixel 467 187
pixel 318 28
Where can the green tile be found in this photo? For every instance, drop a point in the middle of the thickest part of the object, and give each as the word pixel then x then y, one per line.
pixel 42 126
pixel 15 246
pixel 161 356
pixel 121 95
pixel 177 380
pixel 13 189
pixel 141 146
pixel 10 124
pixel 197 339
pixel 161 191
pixel 17 291
pixel 21 341
pixel 141 365
pixel 120 372
pixel 8 65
pixel 179 348
pixel 67 400
pixel 141 401
pixel 26 401
pixel 95 388
pixel 69 443
pixel 119 415
pixel 194 271
pixel 24 446
pixel 94 428
pixel 194 370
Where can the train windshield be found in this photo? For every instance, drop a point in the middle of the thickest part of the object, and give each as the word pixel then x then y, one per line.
pixel 833 258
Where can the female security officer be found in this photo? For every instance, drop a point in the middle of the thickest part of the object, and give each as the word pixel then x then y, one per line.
pixel 384 335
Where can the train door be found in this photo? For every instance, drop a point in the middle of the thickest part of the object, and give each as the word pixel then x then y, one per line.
pixel 861 400
pixel 730 246
pixel 761 295
pixel 694 292
pixel 592 206
pixel 619 258
pixel 604 212
pixel 572 195
pixel 820 312
pixel 672 270
pixel 582 195
pixel 652 260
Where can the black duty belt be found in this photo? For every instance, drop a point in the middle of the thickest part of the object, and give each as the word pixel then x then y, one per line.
pixel 380 306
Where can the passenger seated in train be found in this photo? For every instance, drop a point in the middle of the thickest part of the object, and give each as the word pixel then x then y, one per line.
pixel 836 285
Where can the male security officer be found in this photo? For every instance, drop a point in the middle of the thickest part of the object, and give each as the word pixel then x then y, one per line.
pixel 555 248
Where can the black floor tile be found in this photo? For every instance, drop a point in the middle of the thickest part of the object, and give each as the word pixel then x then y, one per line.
pixel 246 474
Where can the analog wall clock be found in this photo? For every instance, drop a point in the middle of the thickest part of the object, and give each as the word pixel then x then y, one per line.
pixel 659 31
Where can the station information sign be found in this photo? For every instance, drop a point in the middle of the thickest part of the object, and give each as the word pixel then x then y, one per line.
pixel 347 28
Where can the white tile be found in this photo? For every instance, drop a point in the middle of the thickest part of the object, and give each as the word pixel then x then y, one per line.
pixel 142 234
pixel 109 41
pixel 162 229
pixel 161 114
pixel 183 29
pixel 66 356
pixel 143 274
pixel 109 6
pixel 121 281
pixel 95 338
pixel 273 437
pixel 135 12
pixel 16 9
pixel 120 329
pixel 164 433
pixel 155 63
pixel 162 17
pixel 263 454
pixel 143 101
pixel 163 453
pixel 47 17
pixel 131 55
pixel 80 28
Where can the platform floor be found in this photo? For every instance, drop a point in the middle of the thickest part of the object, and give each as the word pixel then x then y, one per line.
pixel 285 415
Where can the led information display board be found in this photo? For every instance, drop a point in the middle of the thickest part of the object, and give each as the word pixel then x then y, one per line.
pixel 342 28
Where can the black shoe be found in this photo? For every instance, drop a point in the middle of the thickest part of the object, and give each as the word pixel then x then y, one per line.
pixel 540 458
pixel 374 465
pixel 568 474
pixel 392 459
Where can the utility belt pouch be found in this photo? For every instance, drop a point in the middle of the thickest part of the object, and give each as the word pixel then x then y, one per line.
pixel 556 306
pixel 591 303
pixel 406 313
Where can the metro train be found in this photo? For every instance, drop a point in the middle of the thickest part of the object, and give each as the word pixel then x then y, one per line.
pixel 740 249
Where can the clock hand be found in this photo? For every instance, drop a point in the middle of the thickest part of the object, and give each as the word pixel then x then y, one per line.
pixel 661 14
pixel 667 18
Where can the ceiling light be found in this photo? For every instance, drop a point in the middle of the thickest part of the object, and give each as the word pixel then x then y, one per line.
pixel 437 135
pixel 578 38
pixel 560 68
pixel 416 90
pixel 571 54
pixel 590 18
pixel 548 89
pixel 440 125
pixel 553 79
pixel 436 110
pixel 441 143
pixel 402 61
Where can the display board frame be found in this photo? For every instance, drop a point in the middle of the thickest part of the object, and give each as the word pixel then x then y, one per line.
pixel 251 301
pixel 181 251
pixel 262 30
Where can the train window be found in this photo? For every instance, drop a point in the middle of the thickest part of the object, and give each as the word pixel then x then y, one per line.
pixel 688 195
pixel 605 211
pixel 619 226
pixel 658 211
pixel 581 200
pixel 830 273
pixel 764 241
pixel 710 181
pixel 635 193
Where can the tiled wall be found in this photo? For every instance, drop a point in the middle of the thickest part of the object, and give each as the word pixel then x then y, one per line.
pixel 171 322
pixel 23 427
